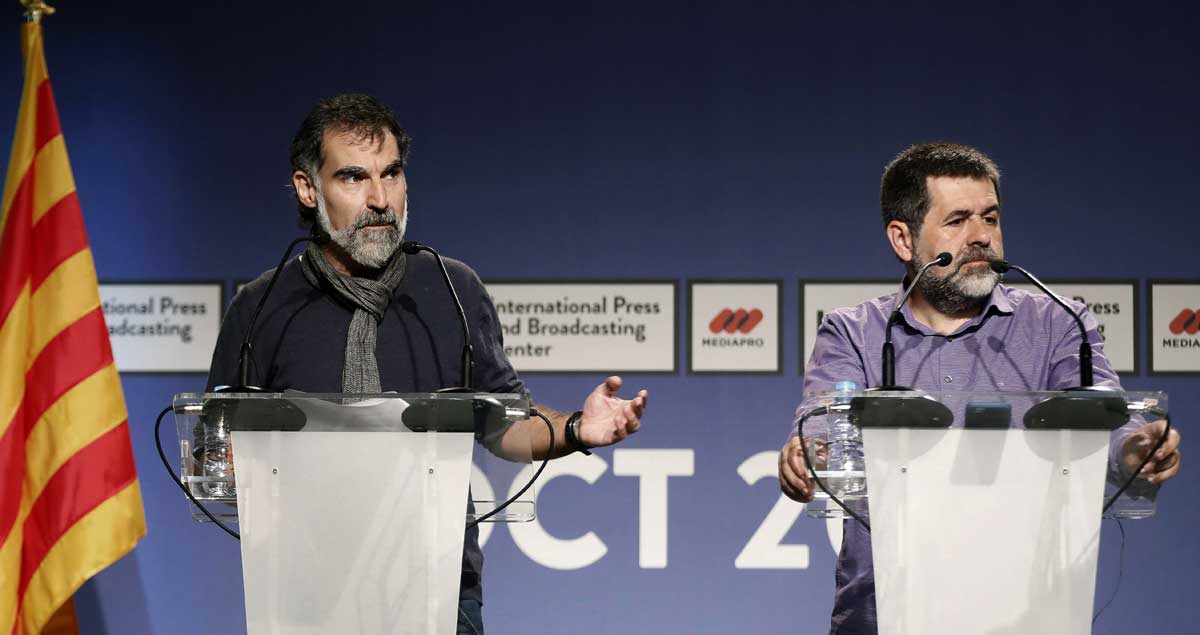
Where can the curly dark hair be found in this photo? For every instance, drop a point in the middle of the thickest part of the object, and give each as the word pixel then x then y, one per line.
pixel 357 114
pixel 903 195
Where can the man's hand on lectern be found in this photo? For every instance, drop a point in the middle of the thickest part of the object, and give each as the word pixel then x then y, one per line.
pixel 794 479
pixel 1165 462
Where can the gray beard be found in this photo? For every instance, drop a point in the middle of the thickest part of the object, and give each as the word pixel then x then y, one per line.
pixel 957 293
pixel 369 248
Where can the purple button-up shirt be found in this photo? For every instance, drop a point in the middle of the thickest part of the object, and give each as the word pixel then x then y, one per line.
pixel 1020 341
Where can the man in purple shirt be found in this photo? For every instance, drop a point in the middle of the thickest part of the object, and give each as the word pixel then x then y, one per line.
pixel 960 330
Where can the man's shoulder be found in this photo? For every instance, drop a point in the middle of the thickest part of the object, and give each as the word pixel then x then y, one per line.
pixel 460 269
pixel 425 264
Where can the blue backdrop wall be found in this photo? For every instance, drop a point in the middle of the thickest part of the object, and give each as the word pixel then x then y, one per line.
pixel 698 140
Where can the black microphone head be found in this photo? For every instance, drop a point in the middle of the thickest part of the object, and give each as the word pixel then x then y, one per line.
pixel 320 236
pixel 943 259
pixel 1000 266
pixel 410 247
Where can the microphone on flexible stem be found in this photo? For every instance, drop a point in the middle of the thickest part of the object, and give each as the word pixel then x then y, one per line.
pixel 1085 348
pixel 889 354
pixel 318 236
pixel 880 411
pixel 1078 409
pixel 411 247
pixel 274 414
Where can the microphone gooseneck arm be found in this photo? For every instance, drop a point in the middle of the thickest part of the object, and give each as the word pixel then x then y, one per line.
pixel 1086 377
pixel 411 247
pixel 318 236
pixel 889 352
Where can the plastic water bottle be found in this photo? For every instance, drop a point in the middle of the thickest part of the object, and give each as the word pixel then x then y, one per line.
pixel 218 457
pixel 845 447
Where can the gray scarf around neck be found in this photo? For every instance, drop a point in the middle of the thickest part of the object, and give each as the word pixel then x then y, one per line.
pixel 369 297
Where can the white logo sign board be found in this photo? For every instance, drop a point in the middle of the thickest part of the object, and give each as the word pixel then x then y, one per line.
pixel 1175 327
pixel 734 327
pixel 162 327
pixel 608 326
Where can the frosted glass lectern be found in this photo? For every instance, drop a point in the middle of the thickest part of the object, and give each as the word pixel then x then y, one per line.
pixel 985 508
pixel 350 507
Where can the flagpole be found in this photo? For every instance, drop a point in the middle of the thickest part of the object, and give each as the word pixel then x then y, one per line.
pixel 35 9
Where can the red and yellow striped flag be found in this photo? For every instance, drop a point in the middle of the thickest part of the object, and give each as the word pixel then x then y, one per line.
pixel 70 503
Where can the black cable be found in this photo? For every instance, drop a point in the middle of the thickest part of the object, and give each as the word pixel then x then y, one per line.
pixel 1162 439
pixel 811 470
pixel 1120 570
pixel 171 472
pixel 535 476
pixel 1121 557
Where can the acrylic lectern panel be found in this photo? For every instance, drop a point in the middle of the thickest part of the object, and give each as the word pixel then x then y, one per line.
pixel 985 530
pixel 985 516
pixel 985 410
pixel 351 507
pixel 198 420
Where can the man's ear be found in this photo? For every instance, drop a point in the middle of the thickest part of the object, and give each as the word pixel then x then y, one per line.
pixel 902 240
pixel 306 190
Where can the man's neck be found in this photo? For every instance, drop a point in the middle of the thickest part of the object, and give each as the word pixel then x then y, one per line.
pixel 942 323
pixel 345 265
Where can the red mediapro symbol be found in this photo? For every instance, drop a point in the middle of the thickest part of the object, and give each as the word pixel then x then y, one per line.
pixel 1188 321
pixel 733 321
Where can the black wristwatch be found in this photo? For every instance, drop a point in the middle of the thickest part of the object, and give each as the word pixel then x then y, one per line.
pixel 573 435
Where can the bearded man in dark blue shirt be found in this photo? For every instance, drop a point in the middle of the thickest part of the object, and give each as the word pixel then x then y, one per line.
pixel 358 315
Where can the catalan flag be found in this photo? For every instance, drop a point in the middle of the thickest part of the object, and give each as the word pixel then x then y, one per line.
pixel 70 503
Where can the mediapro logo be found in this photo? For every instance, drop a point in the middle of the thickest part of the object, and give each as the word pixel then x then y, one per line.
pixel 1188 321
pixel 735 321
